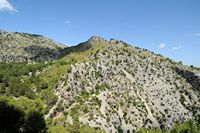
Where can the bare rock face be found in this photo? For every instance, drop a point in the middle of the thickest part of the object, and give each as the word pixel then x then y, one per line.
pixel 23 47
pixel 122 87
pixel 191 77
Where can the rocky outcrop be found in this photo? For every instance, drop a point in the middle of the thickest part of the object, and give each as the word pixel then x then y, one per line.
pixel 23 47
pixel 126 88
pixel 191 77
pixel 94 40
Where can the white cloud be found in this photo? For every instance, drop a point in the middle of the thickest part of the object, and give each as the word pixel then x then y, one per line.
pixel 5 5
pixel 175 48
pixel 197 34
pixel 68 23
pixel 162 46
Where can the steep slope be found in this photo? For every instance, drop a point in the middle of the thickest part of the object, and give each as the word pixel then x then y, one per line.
pixel 96 86
pixel 120 87
pixel 23 47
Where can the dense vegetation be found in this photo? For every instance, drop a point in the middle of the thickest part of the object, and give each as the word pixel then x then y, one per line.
pixel 16 80
pixel 21 115
pixel 25 97
pixel 27 80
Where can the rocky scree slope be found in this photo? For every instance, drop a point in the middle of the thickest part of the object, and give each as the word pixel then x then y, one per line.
pixel 120 87
pixel 23 47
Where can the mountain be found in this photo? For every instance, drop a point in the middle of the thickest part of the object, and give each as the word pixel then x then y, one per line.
pixel 120 86
pixel 105 86
pixel 23 47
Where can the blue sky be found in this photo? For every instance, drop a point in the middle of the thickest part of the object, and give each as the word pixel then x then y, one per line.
pixel 167 27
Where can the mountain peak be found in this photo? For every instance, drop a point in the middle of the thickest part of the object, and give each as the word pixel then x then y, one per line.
pixel 96 39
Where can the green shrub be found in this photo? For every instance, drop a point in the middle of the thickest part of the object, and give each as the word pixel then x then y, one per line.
pixel 57 129
pixel 101 87
pixel 48 97
pixel 21 116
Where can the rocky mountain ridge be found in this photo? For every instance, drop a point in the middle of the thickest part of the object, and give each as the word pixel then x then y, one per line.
pixel 127 88
pixel 24 47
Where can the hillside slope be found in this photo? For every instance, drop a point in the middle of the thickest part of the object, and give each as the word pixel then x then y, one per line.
pixel 96 86
pixel 125 88
pixel 23 47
